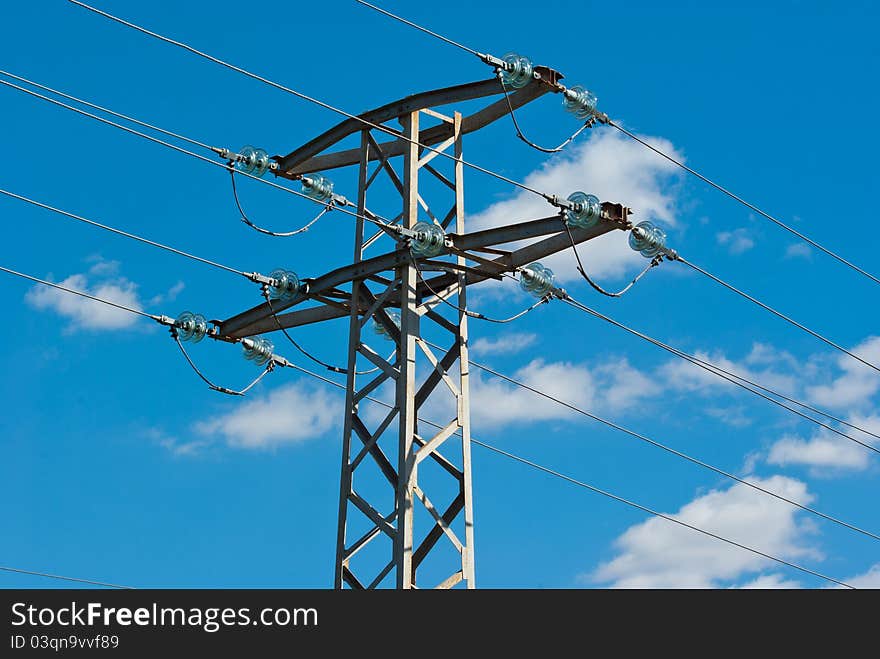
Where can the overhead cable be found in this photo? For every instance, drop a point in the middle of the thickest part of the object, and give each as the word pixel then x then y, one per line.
pixel 90 582
pixel 596 490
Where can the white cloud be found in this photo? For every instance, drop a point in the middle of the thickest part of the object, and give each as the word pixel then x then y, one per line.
pixel 857 384
pixel 102 279
pixel 734 416
pixel 736 241
pixel 798 251
pixel 613 386
pixel 660 554
pixel 505 344
pixel 870 579
pixel 770 581
pixel 822 450
pixel 826 450
pixel 496 402
pixel 103 267
pixel 764 354
pixel 168 296
pixel 187 447
pixel 685 376
pixel 290 414
pixel 622 386
pixel 613 168
pixel 85 314
pixel 609 386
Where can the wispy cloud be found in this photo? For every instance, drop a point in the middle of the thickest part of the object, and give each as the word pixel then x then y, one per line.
pixel 869 579
pixel 622 386
pixel 504 344
pixel 773 581
pixel 734 415
pixel 737 241
pixel 168 296
pixel 608 386
pixel 798 251
pixel 496 402
pixel 857 384
pixel 102 280
pixel 822 450
pixel 290 414
pixel 825 452
pixel 768 371
pixel 660 554
pixel 102 267
pixel 176 445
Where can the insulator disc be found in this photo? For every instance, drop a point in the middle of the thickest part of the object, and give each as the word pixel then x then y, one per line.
pixel 379 328
pixel 580 102
pixel 252 161
pixel 587 212
pixel 261 163
pixel 647 239
pixel 520 72
pixel 537 280
pixel 318 187
pixel 288 284
pixel 247 160
pixel 191 326
pixel 428 240
pixel 259 350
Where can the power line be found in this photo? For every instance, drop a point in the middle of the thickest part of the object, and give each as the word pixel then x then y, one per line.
pixel 519 384
pixel 669 449
pixel 100 108
pixel 655 513
pixel 270 365
pixel 311 99
pixel 524 461
pixel 730 376
pixel 592 488
pixel 676 162
pixel 779 314
pixel 374 219
pixel 124 234
pixel 380 128
pixel 752 207
pixel 420 28
pixel 58 576
pixel 733 378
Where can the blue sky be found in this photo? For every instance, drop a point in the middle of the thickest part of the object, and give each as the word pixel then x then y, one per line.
pixel 119 465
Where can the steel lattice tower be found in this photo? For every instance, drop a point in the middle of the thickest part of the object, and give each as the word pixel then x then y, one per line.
pixel 388 508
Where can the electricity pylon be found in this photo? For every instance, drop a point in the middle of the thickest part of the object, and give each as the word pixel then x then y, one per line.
pixel 392 489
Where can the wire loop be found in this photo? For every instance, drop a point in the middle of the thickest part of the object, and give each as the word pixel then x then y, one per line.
pixel 468 312
pixel 275 234
pixel 306 353
pixel 519 133
pixel 580 268
pixel 270 366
